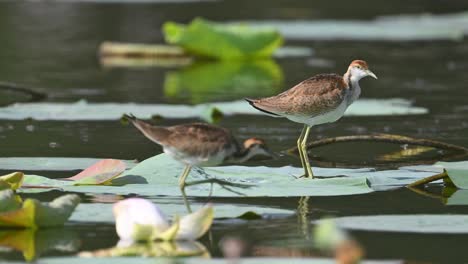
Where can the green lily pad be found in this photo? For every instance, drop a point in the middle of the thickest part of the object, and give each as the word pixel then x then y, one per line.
pixel 51 163
pixel 427 224
pixel 457 172
pixel 32 213
pixel 102 212
pixel 222 41
pixel 83 110
pixel 394 28
pixel 233 80
pixel 159 176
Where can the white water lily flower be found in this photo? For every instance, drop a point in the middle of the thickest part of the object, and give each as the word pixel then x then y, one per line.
pixel 138 219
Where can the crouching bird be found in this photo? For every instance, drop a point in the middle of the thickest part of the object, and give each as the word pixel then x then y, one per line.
pixel 200 144
pixel 320 99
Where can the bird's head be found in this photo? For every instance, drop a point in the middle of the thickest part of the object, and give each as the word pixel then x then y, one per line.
pixel 257 147
pixel 359 69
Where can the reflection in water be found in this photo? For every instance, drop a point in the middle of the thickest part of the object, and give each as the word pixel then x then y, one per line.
pixel 221 80
pixel 33 243
pixel 152 249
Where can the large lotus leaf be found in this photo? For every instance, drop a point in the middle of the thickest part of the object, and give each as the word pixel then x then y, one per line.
pixel 51 163
pixel 441 224
pixel 11 181
pixel 457 172
pixel 83 110
pixel 102 212
pixel 32 243
pixel 223 41
pixel 161 178
pixel 152 249
pixel 33 213
pixel 257 78
pixel 392 28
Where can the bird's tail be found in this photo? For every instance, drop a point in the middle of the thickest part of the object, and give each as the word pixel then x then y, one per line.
pixel 254 104
pixel 154 133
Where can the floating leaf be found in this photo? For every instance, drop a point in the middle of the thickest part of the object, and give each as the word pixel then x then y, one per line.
pixel 11 181
pixel 427 224
pixel 33 213
pixel 83 110
pixel 160 174
pixel 101 212
pixel 138 219
pixel 392 28
pixel 457 172
pixel 233 80
pixel 101 172
pixel 51 163
pixel 222 41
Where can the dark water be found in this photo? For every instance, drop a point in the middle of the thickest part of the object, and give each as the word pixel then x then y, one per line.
pixel 52 47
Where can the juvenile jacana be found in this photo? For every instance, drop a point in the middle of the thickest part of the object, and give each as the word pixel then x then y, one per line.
pixel 320 99
pixel 200 144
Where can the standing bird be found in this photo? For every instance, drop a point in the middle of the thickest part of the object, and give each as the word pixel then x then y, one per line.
pixel 320 99
pixel 200 144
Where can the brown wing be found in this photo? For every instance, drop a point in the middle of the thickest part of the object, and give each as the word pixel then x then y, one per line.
pixel 200 139
pixel 314 96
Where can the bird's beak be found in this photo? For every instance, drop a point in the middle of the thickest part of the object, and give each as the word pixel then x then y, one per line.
pixel 369 73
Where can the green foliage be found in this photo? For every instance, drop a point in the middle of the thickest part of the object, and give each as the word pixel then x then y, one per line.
pixel 223 41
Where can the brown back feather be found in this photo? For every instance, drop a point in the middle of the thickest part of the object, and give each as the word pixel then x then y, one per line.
pixel 314 96
pixel 200 139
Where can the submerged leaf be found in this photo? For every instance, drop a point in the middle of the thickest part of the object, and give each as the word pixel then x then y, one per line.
pixel 223 41
pixel 152 249
pixel 101 172
pixel 12 181
pixel 32 243
pixel 258 78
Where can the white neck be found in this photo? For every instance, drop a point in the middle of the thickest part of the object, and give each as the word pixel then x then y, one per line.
pixel 353 84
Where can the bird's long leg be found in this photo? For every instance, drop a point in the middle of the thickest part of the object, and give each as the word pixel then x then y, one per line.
pixel 184 176
pixel 186 202
pixel 307 167
pixel 299 149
